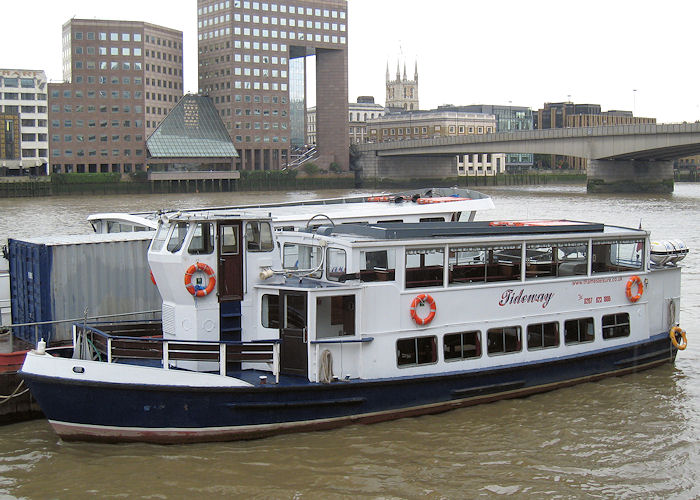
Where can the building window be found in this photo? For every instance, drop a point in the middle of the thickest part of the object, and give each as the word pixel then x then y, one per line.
pixel 463 345
pixel 616 325
pixel 416 351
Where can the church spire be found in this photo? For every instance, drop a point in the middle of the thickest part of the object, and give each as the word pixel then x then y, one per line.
pixel 398 71
pixel 404 70
pixel 415 76
pixel 387 71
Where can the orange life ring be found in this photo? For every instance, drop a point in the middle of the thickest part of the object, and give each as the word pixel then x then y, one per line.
pixel 421 299
pixel 153 279
pixel 634 280
pixel 678 344
pixel 198 290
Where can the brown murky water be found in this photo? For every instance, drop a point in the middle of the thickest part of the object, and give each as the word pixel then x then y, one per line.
pixel 630 437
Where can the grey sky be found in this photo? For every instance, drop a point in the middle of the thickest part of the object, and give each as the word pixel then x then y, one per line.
pixel 495 52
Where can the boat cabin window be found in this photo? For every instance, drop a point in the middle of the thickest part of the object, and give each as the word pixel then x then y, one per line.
pixel 542 335
pixel 258 235
pixel 577 331
pixel 160 237
pixel 336 263
pixel 177 238
pixel 618 256
pixel 202 240
pixel 432 219
pixel 378 265
pixel 484 264
pixel 463 345
pixel 616 325
pixel 424 267
pixel 544 260
pixel 335 316
pixel 416 351
pixel 503 340
pixel 306 258
pixel 270 310
pixel 229 239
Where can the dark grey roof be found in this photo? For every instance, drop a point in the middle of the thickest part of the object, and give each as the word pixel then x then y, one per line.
pixel 193 129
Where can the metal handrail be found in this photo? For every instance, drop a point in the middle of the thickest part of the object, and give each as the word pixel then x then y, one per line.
pixel 274 359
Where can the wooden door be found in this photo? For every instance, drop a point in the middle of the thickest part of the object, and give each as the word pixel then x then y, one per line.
pixel 293 333
pixel 230 273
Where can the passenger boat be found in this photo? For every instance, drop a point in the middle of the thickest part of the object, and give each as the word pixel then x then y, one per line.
pixel 427 204
pixel 265 332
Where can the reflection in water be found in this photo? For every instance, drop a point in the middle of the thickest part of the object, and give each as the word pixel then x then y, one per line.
pixel 628 437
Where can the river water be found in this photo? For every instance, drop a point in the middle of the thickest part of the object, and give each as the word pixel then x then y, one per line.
pixel 627 437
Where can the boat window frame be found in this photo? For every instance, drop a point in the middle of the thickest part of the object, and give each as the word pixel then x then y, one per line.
pixel 207 247
pixel 503 332
pixel 417 361
pixel 478 346
pixel 183 229
pixel 542 335
pixel 487 252
pixel 589 320
pixel 617 268
pixel 340 272
pixel 260 241
pixel 157 242
pixel 624 327
pixel 428 270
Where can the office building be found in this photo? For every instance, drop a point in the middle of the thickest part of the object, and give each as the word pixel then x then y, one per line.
pixel 253 63
pixel 121 78
pixel 358 114
pixel 24 117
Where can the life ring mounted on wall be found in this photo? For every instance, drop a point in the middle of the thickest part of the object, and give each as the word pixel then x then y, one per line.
pixel 199 290
pixel 420 300
pixel 634 280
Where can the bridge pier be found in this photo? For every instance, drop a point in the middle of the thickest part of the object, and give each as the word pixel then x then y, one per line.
pixel 630 176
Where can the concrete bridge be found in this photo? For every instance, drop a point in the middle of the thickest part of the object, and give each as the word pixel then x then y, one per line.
pixel 620 158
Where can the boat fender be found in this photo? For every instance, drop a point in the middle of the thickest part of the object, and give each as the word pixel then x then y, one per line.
pixel 678 338
pixel 420 300
pixel 199 290
pixel 634 280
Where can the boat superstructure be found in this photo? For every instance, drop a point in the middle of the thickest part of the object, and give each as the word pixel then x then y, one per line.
pixel 435 203
pixel 268 331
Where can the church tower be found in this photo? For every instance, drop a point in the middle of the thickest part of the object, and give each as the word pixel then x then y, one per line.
pixel 402 93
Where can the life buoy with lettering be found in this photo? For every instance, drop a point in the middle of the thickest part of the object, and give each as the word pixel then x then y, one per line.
pixel 421 299
pixel 681 343
pixel 198 290
pixel 634 280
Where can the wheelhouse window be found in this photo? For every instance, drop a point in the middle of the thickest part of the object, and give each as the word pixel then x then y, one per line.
pixel 424 267
pixel 229 239
pixel 463 345
pixel 270 311
pixel 504 340
pixel 542 335
pixel 160 237
pixel 258 235
pixel 335 316
pixel 202 239
pixel 556 259
pixel 416 351
pixel 616 325
pixel 378 265
pixel 618 256
pixel 484 264
pixel 336 262
pixel 177 238
pixel 580 330
pixel 306 258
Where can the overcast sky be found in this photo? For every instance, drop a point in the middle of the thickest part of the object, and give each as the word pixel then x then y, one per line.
pixel 632 55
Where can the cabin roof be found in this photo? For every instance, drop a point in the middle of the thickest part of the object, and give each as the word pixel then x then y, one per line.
pixel 425 230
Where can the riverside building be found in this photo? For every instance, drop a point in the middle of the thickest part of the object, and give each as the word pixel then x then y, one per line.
pixel 253 64
pixel 24 120
pixel 358 114
pixel 121 78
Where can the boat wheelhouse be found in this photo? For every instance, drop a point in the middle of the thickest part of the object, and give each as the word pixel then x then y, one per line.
pixel 269 331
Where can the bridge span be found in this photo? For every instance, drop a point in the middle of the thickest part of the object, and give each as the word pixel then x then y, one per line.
pixel 620 158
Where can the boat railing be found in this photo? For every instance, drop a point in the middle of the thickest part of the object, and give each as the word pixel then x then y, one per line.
pixel 98 345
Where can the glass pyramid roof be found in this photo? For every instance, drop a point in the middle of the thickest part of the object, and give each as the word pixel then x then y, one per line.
pixel 193 129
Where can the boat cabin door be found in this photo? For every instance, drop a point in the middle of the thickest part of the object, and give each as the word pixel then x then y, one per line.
pixel 293 333
pixel 230 272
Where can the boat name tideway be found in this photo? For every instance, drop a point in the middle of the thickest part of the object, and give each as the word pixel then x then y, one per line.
pixel 510 296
